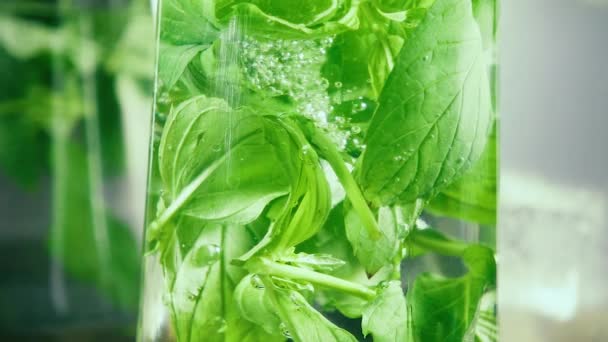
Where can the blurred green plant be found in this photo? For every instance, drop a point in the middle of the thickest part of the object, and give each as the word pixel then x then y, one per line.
pixel 60 116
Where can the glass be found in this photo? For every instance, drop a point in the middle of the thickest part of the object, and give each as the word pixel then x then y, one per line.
pixel 313 164
pixel 70 261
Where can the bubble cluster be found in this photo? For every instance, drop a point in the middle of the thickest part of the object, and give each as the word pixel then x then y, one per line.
pixel 290 68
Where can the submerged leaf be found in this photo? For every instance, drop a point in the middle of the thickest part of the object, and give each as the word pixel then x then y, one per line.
pixel 219 164
pixel 438 93
pixel 386 317
pixel 444 309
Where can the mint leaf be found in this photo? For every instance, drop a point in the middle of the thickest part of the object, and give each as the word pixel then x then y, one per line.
pixel 438 92
pixel 317 262
pixel 374 254
pixel 186 22
pixel 255 305
pixel 332 239
pixel 208 178
pixel 300 215
pixel 386 317
pixel 444 309
pixel 302 322
pixel 473 197
pixel 272 25
pixel 201 282
pixel 174 59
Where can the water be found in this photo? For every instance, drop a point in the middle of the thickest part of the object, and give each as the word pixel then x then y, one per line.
pixel 70 263
pixel 287 200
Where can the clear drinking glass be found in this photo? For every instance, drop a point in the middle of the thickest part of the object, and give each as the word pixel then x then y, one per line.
pixel 70 251
pixel 322 171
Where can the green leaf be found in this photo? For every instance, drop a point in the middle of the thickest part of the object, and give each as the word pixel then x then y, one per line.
pixel 473 197
pixel 302 213
pixel 438 94
pixel 267 25
pixel 202 282
pixel 174 59
pixel 389 6
pixel 302 322
pixel 382 61
pixel 300 12
pixel 188 22
pixel 331 239
pixel 444 309
pixel 92 245
pixel 255 305
pixel 219 164
pixel 386 317
pixel 316 262
pixel 374 254
pixel 486 12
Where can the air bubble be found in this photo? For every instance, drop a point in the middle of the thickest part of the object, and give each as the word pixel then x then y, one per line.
pixel 206 255
pixel 338 84
pixel 383 284
pixel 356 129
pixel 216 147
pixel 324 83
pixel 256 282
pixel 285 331
pixel 295 299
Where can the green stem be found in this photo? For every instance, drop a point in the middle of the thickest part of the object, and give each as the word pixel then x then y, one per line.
pixel 185 195
pixel 328 151
pixel 445 247
pixel 268 267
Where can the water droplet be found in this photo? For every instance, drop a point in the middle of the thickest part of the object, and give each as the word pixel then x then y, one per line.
pixel 383 284
pixel 221 324
pixel 359 106
pixel 324 83
pixel 295 299
pixel 256 282
pixel 206 255
pixel 284 330
pixel 338 84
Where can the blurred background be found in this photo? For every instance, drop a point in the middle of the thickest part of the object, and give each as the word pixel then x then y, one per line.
pixel 553 224
pixel 75 101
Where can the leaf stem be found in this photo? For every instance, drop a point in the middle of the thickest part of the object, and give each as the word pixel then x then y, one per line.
pixel 185 195
pixel 268 267
pixel 445 247
pixel 327 150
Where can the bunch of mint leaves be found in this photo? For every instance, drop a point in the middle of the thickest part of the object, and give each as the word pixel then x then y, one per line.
pixel 262 217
